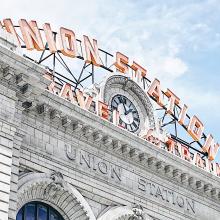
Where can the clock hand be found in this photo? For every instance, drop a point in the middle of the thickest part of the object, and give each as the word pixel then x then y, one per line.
pixel 124 107
pixel 127 112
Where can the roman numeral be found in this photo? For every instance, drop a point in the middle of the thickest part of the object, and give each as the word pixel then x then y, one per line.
pixel 115 101
pixel 134 124
pixel 129 127
pixel 136 119
pixel 122 99
pixel 119 99
pixel 120 121
pixel 123 124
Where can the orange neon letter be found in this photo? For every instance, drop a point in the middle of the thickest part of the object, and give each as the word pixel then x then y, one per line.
pixel 217 169
pixel 146 134
pixel 137 68
pixel 51 87
pixel 139 72
pixel 31 35
pixel 210 147
pixel 50 38
pixel 103 110
pixel 195 128
pixel 173 99
pixel 185 153
pixel 84 101
pixel 92 51
pixel 171 145
pixel 198 161
pixel 68 42
pixel 67 93
pixel 10 28
pixel 182 114
pixel 174 147
pixel 121 63
pixel 155 92
pixel 115 117
pixel 149 136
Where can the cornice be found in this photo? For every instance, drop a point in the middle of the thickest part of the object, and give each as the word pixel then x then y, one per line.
pixel 132 148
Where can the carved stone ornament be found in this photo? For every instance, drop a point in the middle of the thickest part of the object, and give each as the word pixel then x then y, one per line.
pixel 138 213
pixel 56 185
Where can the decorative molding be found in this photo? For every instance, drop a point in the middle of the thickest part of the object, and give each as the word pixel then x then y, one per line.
pixel 55 191
pixel 97 136
pixel 138 213
pixel 135 212
pixel 8 72
pixel 56 185
pixel 66 121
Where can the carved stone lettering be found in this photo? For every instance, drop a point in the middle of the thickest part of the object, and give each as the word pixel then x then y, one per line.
pixel 166 195
pixel 93 163
pixel 70 152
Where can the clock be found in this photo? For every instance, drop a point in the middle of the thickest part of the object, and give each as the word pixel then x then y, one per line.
pixel 128 114
pixel 136 112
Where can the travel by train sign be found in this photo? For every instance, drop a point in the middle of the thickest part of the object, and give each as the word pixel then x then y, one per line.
pixel 64 43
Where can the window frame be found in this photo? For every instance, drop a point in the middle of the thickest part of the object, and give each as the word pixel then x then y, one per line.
pixel 37 205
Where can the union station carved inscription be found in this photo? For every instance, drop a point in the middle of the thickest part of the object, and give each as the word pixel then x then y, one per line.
pixel 166 195
pixel 94 163
pixel 147 188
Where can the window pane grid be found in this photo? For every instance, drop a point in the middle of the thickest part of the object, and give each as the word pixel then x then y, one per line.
pixel 38 211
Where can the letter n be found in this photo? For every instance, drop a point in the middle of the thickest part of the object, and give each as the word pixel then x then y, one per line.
pixel 210 147
pixel 92 51
pixel 31 35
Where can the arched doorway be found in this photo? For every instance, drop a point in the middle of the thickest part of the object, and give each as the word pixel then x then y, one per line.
pixel 38 211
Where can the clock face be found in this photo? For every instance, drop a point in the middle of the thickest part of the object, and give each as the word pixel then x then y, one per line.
pixel 128 115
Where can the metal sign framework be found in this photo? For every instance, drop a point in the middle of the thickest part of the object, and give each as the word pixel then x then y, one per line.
pixel 87 72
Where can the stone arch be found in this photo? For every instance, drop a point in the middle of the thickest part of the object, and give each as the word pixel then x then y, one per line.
pixel 128 84
pixel 121 213
pixel 54 191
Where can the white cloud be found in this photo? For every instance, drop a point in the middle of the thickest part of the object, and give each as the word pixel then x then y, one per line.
pixel 169 68
pixel 174 66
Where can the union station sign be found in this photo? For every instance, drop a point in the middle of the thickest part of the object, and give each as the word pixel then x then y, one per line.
pixel 124 113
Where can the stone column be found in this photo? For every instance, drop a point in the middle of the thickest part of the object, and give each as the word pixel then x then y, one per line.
pixel 21 81
pixel 9 122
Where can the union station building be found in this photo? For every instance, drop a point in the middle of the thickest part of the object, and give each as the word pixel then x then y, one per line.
pixel 59 161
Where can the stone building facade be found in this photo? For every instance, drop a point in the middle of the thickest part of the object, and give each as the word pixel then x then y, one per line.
pixel 64 157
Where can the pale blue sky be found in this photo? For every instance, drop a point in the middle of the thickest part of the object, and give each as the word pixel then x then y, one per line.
pixel 177 41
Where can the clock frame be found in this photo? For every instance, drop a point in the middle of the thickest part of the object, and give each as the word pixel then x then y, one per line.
pixel 128 113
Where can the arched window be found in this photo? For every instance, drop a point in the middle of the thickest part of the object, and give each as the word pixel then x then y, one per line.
pixel 38 211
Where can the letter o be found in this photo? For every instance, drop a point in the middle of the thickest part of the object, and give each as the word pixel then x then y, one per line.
pixel 180 201
pixel 103 167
